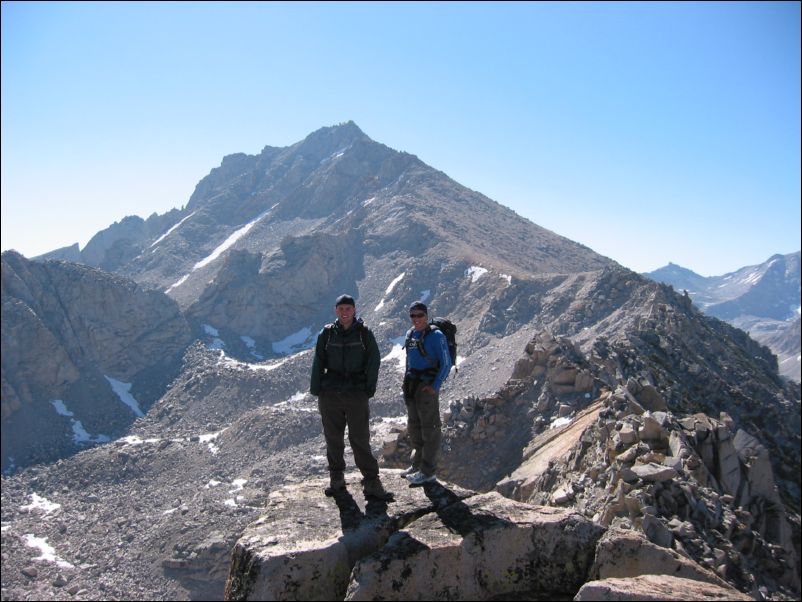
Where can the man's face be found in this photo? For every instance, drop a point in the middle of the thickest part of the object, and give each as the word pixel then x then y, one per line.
pixel 345 313
pixel 418 318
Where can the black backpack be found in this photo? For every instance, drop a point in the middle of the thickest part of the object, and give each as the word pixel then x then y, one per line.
pixel 444 325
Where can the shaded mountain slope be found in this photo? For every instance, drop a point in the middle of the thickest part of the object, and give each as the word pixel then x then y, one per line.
pixel 78 345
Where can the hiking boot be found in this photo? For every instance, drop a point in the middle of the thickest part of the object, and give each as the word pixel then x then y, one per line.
pixel 419 478
pixel 336 484
pixel 405 473
pixel 373 488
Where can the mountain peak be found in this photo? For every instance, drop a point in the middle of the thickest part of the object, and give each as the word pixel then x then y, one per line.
pixel 677 275
pixel 342 134
pixel 675 267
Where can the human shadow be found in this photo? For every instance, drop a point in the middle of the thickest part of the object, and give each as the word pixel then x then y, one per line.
pixel 352 517
pixel 456 515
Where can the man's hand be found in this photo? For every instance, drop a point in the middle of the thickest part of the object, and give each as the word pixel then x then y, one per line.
pixel 429 389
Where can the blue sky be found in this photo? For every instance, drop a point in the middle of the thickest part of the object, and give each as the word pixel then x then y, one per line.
pixel 650 132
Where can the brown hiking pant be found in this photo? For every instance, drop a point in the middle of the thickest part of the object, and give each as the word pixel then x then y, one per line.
pixel 423 426
pixel 341 408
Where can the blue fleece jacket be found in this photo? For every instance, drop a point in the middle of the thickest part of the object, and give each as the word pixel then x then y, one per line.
pixel 436 347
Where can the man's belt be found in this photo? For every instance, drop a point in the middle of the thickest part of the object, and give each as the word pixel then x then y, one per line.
pixel 346 376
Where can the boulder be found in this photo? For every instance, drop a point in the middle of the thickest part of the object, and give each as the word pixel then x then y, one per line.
pixel 651 400
pixel 626 553
pixel 654 472
pixel 484 547
pixel 306 544
pixel 656 587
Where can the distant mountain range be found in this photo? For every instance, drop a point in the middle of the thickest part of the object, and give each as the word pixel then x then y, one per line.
pixel 763 300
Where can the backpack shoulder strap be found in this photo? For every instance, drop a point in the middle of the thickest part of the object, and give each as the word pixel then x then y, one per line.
pixel 327 329
pixel 429 328
pixel 408 337
pixel 361 328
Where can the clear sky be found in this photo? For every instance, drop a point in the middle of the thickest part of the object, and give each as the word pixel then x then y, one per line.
pixel 649 132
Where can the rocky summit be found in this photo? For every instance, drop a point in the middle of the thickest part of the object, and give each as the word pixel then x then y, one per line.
pixel 603 438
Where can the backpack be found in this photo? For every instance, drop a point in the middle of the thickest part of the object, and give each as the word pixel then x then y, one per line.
pixel 448 328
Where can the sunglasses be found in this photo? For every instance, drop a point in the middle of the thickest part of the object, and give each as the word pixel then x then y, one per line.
pixel 416 315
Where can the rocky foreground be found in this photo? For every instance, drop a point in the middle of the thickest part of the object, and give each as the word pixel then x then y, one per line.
pixel 441 542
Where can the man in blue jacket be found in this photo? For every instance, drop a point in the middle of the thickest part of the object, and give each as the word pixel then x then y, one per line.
pixel 428 365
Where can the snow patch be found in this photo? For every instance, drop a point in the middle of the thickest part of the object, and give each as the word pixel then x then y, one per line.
pixel 217 342
pixel 251 344
pixel 295 402
pixel 389 290
pixel 293 342
pixel 228 362
pixel 209 437
pixel 560 422
pixel 177 283
pixel 134 440
pixel 238 484
pixel 48 552
pixel 475 272
pixel 395 281
pixel 40 503
pixel 335 155
pixel 61 408
pixel 166 234
pixel 397 353
pixel 123 391
pixel 753 277
pixel 228 242
pixel 79 434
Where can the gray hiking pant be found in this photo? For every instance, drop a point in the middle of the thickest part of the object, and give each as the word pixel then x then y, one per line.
pixel 338 409
pixel 423 426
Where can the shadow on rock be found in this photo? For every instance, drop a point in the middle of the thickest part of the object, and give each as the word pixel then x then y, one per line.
pixel 351 515
pixel 455 513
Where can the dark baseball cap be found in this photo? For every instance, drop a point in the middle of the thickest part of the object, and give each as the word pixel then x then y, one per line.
pixel 345 300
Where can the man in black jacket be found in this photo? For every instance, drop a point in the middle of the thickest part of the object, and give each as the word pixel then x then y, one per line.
pixel 345 371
